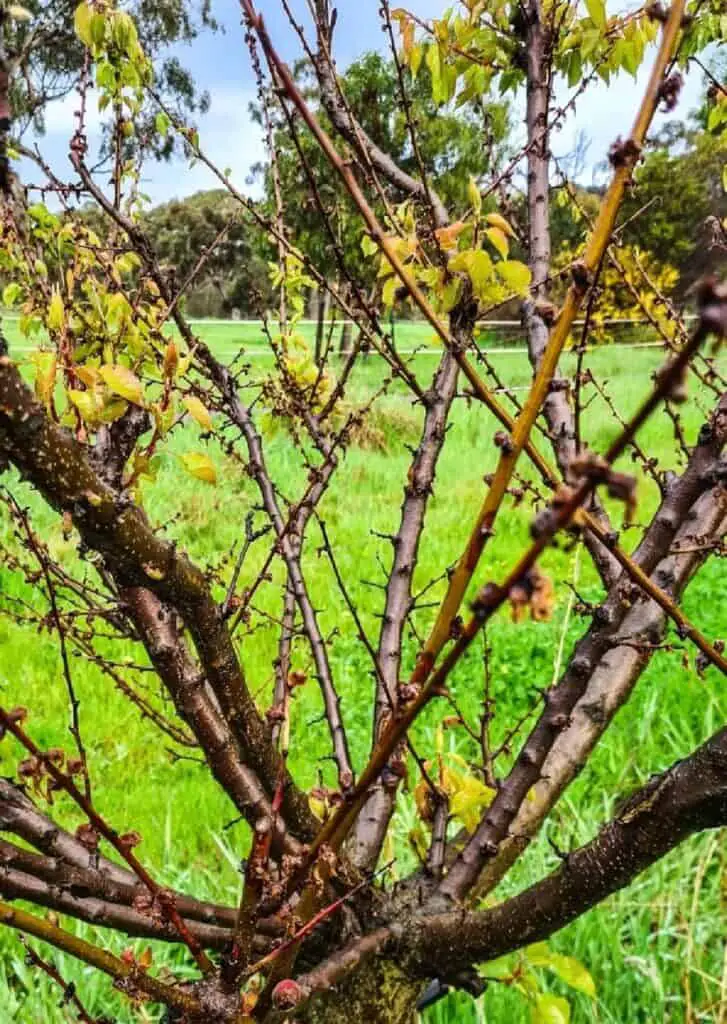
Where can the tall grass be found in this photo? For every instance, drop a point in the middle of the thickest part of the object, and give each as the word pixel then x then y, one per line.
pixel 656 951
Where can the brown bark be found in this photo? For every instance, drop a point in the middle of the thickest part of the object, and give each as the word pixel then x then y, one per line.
pixel 137 557
pixel 690 796
pixel 561 699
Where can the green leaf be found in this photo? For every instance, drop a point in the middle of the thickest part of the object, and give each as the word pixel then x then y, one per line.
pixel 161 123
pixel 630 57
pixel 515 275
pixel 549 1009
pixel 415 58
pixel 112 410
pixel 473 194
pixel 368 245
pixel 478 266
pixel 98 29
pixel 56 316
pixel 575 67
pixel 82 23
pixel 450 293
pixel 123 382
pixel 200 466
pixel 480 271
pixel 12 293
pixel 435 70
pixel 597 12
pixel 499 970
pixel 567 968
pixel 716 116
pixel 388 291
pixel 574 974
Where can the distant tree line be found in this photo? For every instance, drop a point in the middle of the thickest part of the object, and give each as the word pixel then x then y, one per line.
pixel 679 182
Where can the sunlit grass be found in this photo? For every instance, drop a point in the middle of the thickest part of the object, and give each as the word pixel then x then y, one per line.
pixel 637 945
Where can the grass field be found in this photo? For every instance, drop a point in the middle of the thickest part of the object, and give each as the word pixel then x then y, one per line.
pixel 656 951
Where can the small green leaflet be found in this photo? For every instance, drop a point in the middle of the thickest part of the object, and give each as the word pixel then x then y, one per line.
pixel 550 1009
pixel 597 12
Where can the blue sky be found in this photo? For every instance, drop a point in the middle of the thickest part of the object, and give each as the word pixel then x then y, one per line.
pixel 220 65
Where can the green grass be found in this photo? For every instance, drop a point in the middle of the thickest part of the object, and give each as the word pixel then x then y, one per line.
pixel 642 946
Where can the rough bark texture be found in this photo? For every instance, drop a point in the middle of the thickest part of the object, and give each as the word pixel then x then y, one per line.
pixel 597 643
pixel 136 557
pixel 379 993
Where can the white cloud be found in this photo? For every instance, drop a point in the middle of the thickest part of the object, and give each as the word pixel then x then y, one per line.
pixel 60 115
pixel 228 136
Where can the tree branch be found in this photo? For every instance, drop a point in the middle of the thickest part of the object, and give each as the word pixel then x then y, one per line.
pixel 136 557
pixel 561 699
pixel 119 970
pixel 611 680
pixel 196 704
pixel 375 816
pixel 348 127
pixel 689 797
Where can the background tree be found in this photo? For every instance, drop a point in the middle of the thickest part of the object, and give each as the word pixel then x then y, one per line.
pixel 47 48
pixel 322 926
pixel 680 228
pixel 236 275
pixel 450 143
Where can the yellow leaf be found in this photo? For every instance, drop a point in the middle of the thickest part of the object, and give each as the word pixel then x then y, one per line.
pixel 567 968
pixel 496 221
pixel 515 275
pixel 56 316
pixel 498 239
pixel 88 375
pixel 407 36
pixel 318 807
pixel 123 382
pixel 171 360
pixel 549 1009
pixel 45 375
pixel 468 797
pixel 184 363
pixel 474 196
pixel 82 23
pixel 145 960
pixel 198 411
pixel 597 12
pixel 87 404
pixel 200 466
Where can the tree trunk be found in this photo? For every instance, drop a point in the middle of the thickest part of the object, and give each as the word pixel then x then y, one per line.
pixel 539 151
pixel 377 993
pixel 321 311
pixel 346 338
